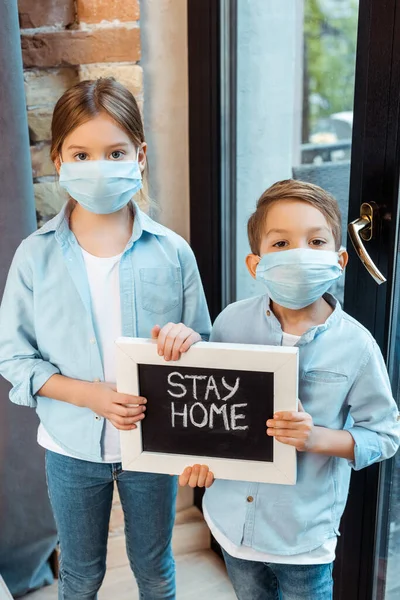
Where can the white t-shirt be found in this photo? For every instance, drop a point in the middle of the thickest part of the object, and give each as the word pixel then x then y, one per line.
pixel 322 555
pixel 103 278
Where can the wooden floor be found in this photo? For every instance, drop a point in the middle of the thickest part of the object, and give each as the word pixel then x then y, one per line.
pixel 200 576
pixel 200 573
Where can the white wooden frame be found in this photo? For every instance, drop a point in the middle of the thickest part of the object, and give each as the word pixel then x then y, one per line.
pixel 282 361
pixel 4 591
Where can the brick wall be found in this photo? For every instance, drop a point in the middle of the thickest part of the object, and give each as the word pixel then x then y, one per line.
pixel 63 42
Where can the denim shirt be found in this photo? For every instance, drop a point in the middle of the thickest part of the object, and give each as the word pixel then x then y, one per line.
pixel 343 384
pixel 46 323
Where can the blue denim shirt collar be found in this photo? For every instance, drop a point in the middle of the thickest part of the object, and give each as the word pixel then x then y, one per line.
pixel 60 225
pixel 313 332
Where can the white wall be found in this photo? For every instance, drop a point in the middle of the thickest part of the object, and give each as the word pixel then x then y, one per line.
pixel 165 65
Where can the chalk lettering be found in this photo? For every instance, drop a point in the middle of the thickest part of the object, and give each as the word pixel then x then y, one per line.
pixel 235 417
pixel 219 411
pixel 212 386
pixel 195 377
pixel 184 390
pixel 233 389
pixel 179 414
pixel 205 415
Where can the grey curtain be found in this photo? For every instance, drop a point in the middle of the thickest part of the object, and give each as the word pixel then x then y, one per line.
pixel 27 530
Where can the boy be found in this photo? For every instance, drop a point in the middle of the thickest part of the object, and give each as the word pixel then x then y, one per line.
pixel 279 541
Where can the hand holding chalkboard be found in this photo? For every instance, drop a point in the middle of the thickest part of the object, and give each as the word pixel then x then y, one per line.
pixel 173 339
pixel 209 407
pixel 197 476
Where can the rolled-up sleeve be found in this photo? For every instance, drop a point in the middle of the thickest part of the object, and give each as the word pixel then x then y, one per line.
pixel 20 360
pixel 195 310
pixel 374 414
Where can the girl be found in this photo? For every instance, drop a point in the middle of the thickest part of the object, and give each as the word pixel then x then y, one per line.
pixel 101 268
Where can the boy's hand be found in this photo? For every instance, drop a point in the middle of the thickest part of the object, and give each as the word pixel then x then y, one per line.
pixel 174 339
pixel 197 476
pixel 293 428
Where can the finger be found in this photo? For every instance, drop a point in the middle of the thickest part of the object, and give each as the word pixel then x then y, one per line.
pixel 202 475
pixel 127 411
pixel 179 341
pixel 137 418
pixel 192 339
pixel 170 340
pixel 210 479
pixel 274 423
pixel 300 406
pixel 155 332
pixel 126 421
pixel 194 476
pixel 185 476
pixel 298 434
pixel 133 401
pixel 289 416
pixel 122 427
pixel 162 336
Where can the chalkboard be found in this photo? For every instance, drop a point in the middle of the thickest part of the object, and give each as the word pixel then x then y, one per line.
pixel 207 412
pixel 209 407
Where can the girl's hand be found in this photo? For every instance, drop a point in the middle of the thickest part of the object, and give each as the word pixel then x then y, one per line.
pixel 174 339
pixel 197 476
pixel 293 428
pixel 122 410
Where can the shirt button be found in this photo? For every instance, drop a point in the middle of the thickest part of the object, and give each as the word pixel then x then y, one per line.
pixel 92 340
pixel 250 498
pixel 268 313
pixel 97 417
pixel 97 380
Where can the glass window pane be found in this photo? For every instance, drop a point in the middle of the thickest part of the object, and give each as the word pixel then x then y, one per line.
pixel 295 91
pixel 387 582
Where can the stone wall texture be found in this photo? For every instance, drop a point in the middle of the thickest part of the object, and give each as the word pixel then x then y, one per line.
pixel 64 42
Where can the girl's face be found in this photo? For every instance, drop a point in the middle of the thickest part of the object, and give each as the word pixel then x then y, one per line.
pixel 100 138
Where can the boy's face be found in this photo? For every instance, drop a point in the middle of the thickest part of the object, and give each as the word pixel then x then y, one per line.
pixel 291 224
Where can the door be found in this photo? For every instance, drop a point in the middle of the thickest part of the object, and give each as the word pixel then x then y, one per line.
pixel 308 90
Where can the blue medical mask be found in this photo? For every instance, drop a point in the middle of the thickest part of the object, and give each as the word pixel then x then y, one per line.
pixel 101 186
pixel 297 278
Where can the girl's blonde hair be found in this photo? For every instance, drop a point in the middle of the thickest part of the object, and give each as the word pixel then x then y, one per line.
pixel 88 99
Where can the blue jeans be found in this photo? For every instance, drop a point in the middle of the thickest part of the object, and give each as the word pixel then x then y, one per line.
pixel 269 581
pixel 81 497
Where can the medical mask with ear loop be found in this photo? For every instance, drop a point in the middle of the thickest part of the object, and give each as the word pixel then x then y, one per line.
pixel 296 278
pixel 102 186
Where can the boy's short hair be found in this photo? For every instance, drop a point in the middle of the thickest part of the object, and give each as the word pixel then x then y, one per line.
pixel 291 189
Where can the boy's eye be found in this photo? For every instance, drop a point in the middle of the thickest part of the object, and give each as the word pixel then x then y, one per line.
pixel 116 154
pixel 81 156
pixel 317 242
pixel 280 244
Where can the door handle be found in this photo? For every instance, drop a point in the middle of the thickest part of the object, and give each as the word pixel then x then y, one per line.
pixel 363 229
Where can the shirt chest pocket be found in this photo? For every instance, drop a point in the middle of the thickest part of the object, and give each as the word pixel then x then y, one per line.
pixel 160 289
pixel 323 394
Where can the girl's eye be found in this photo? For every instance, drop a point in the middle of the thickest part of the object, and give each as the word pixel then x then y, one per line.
pixel 116 154
pixel 317 242
pixel 280 244
pixel 81 156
